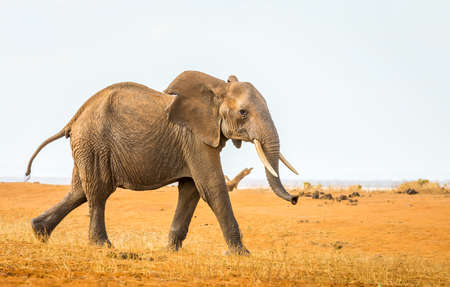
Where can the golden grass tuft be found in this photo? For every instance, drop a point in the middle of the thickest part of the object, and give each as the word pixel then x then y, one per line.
pixel 388 239
pixel 134 261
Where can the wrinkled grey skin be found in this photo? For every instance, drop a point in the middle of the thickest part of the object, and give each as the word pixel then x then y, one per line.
pixel 131 136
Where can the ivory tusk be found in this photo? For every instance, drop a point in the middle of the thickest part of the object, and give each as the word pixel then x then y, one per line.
pixel 263 158
pixel 286 163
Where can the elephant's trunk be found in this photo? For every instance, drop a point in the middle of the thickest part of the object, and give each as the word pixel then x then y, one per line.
pixel 270 157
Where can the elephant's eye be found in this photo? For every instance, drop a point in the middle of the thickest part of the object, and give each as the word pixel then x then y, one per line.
pixel 243 113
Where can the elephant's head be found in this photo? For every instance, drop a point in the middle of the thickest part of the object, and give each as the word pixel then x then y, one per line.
pixel 213 108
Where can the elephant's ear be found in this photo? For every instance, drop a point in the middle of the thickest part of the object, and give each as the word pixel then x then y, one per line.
pixel 196 105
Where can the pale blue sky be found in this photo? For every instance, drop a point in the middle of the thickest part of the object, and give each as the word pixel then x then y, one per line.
pixel 357 89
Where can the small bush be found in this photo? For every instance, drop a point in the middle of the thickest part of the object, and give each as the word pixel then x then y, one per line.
pixel 353 188
pixel 423 181
pixel 421 186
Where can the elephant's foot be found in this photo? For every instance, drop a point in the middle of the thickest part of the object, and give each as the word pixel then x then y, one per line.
pixel 101 242
pixel 241 250
pixel 175 243
pixel 40 230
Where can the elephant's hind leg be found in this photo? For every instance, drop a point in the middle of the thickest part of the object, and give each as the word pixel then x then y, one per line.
pixel 97 227
pixel 93 164
pixel 188 198
pixel 97 186
pixel 97 192
pixel 44 224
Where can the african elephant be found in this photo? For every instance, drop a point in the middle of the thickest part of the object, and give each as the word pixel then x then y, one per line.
pixel 130 136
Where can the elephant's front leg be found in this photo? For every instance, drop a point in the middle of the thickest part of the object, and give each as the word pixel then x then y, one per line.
pixel 188 198
pixel 209 179
pixel 219 201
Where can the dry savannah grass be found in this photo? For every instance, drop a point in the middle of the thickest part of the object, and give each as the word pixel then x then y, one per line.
pixel 386 239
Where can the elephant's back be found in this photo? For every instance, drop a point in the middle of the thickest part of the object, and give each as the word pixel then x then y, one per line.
pixel 124 109
pixel 130 99
pixel 137 102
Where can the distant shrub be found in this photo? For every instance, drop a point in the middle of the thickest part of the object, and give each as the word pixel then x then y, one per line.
pixel 446 188
pixel 353 188
pixel 421 186
pixel 422 181
pixel 307 185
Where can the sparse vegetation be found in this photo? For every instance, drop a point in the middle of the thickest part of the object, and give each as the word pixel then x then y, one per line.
pixel 421 186
pixel 381 241
pixel 357 187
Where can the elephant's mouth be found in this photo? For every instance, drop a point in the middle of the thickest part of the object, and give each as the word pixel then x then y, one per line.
pixel 240 135
pixel 237 136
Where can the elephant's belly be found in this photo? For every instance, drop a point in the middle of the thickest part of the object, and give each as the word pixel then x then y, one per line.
pixel 140 187
pixel 148 172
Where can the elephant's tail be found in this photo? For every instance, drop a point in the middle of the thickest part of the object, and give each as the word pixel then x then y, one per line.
pixel 63 132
